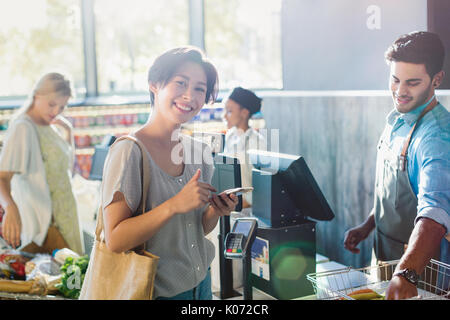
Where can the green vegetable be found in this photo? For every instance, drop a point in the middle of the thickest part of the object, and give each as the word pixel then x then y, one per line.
pixel 73 270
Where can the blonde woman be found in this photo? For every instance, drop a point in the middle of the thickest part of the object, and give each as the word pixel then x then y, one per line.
pixel 36 162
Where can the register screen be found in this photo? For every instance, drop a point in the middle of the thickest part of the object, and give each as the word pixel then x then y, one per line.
pixel 243 227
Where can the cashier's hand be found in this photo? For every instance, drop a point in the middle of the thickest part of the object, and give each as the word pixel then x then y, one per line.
pixel 354 236
pixel 400 288
pixel 12 225
pixel 194 195
pixel 223 204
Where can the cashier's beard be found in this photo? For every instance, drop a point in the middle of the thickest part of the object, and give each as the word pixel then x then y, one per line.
pixel 188 150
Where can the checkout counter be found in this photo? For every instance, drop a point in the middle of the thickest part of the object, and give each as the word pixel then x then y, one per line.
pixel 282 248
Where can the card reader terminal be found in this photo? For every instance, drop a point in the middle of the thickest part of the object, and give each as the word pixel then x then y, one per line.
pixel 238 240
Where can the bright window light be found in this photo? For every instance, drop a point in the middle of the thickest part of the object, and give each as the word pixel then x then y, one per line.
pixel 36 37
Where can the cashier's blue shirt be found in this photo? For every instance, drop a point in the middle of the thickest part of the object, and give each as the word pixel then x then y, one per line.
pixel 428 162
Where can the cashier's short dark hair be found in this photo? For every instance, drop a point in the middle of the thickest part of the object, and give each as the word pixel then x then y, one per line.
pixel 419 47
pixel 166 64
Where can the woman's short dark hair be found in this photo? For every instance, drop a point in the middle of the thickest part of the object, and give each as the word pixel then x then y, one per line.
pixel 419 47
pixel 165 66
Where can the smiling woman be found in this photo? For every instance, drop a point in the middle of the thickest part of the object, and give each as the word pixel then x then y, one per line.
pixel 166 67
pixel 182 210
pixel 183 96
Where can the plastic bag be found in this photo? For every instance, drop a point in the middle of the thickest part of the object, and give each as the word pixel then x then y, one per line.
pixel 87 195
pixel 45 269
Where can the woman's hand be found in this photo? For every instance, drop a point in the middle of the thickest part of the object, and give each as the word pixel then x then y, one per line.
pixel 223 204
pixel 194 195
pixel 12 225
pixel 220 205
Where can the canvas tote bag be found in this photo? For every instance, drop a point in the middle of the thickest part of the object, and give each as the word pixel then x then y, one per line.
pixel 121 276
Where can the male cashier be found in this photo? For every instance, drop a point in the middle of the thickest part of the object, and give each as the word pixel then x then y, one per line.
pixel 412 189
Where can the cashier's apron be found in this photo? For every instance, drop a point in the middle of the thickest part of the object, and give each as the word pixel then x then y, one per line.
pixel 395 201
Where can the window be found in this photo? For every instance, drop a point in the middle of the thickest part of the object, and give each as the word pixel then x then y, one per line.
pixel 242 39
pixel 130 35
pixel 36 37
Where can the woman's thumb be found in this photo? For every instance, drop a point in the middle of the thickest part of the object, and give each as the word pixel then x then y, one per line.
pixel 196 175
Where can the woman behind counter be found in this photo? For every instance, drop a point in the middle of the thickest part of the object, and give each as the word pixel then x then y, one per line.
pixel 240 105
pixel 36 163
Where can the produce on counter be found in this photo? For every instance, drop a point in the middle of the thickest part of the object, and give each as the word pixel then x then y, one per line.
pixel 364 294
pixel 12 265
pixel 41 274
pixel 73 272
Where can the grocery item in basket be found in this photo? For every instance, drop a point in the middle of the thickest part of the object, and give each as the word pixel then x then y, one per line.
pixel 364 294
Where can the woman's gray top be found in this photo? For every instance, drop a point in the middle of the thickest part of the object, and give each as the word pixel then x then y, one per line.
pixel 185 254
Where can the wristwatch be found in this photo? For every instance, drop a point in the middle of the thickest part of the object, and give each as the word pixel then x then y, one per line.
pixel 409 274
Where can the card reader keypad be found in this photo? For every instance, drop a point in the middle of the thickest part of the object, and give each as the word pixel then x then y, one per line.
pixel 234 243
pixel 238 241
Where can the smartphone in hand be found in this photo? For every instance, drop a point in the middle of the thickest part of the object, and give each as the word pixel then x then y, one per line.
pixel 237 191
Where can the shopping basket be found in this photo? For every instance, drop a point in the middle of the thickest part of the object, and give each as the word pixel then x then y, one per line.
pixel 434 282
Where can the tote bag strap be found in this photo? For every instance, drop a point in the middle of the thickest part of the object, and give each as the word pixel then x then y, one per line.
pixel 145 174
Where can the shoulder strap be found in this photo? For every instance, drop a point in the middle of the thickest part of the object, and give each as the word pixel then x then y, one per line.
pixel 430 107
pixel 145 174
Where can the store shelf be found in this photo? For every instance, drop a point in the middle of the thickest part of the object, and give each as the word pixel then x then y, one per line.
pixel 85 151
pixel 92 123
pixel 101 111
pixel 105 130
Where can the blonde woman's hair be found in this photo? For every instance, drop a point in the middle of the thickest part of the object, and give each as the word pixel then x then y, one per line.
pixel 52 82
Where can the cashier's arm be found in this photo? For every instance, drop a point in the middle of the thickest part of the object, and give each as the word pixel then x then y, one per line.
pixel 423 245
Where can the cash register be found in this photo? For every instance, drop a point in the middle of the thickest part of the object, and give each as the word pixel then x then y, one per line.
pixel 287 203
